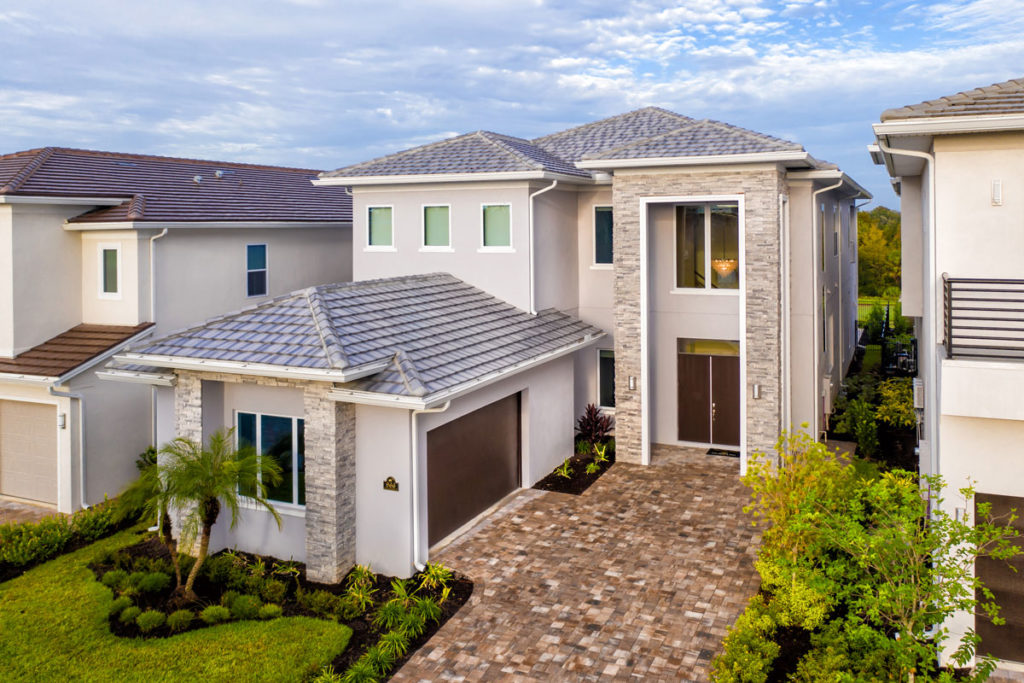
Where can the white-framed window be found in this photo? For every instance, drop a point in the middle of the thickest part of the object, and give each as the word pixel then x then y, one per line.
pixel 255 270
pixel 606 379
pixel 707 249
pixel 380 228
pixel 437 228
pixel 109 255
pixel 603 229
pixel 282 439
pixel 495 227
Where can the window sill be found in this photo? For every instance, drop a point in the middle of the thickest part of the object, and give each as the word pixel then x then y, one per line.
pixel 284 509
pixel 383 249
pixel 110 296
pixel 495 250
pixel 256 296
pixel 607 410
pixel 602 266
pixel 437 250
pixel 700 291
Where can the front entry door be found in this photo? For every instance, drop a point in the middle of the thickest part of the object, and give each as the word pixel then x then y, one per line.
pixel 709 399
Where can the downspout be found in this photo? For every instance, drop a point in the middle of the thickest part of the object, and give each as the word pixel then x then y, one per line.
pixel 815 218
pixel 931 392
pixel 414 480
pixel 81 439
pixel 533 297
pixel 787 410
pixel 152 319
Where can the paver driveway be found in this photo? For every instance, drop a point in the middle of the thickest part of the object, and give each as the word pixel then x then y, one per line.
pixel 639 577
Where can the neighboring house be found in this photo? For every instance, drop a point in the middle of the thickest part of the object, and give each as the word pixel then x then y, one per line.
pixel 956 164
pixel 695 278
pixel 98 249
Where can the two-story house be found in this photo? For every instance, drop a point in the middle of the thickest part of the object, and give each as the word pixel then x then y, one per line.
pixel 956 164
pixel 98 249
pixel 695 278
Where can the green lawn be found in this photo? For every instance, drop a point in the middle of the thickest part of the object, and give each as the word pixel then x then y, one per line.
pixel 53 622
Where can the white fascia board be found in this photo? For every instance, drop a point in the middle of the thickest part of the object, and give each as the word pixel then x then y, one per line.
pixel 79 369
pixel 753 158
pixel 76 201
pixel 202 225
pixel 877 156
pixel 827 174
pixel 255 369
pixel 133 377
pixel 447 178
pixel 941 125
pixel 376 398
pixel 12 378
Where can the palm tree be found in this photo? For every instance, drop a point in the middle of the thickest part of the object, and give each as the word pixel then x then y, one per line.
pixel 198 479
pixel 149 496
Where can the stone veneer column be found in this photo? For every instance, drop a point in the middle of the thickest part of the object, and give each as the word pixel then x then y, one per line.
pixel 330 486
pixel 760 188
pixel 188 406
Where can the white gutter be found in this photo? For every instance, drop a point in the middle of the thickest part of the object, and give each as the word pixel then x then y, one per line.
pixel 414 478
pixel 829 174
pixel 948 124
pixel 200 225
pixel 787 399
pixel 85 201
pixel 447 178
pixel 81 439
pixel 12 378
pixel 753 158
pixel 815 255
pixel 931 392
pixel 533 296
pixel 152 319
pixel 261 369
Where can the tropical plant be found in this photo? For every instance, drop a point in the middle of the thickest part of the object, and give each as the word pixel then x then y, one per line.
pixel 151 494
pixel 564 470
pixel 593 468
pixel 600 452
pixel 199 478
pixel 435 575
pixel 593 426
pixel 395 642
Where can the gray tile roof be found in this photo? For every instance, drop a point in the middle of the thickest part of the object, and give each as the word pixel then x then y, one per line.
pixel 1000 98
pixel 434 332
pixel 697 139
pixel 644 133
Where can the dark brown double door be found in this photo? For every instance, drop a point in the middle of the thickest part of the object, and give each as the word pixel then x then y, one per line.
pixel 709 399
pixel 472 463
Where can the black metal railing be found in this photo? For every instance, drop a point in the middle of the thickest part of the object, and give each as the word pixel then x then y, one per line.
pixel 983 318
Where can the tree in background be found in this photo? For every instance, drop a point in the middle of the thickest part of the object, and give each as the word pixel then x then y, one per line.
pixel 878 251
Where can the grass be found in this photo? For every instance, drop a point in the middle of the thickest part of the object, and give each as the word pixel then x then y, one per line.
pixel 872 358
pixel 54 625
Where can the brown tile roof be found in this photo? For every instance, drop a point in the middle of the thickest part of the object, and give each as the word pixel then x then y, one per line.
pixel 1000 98
pixel 165 188
pixel 67 351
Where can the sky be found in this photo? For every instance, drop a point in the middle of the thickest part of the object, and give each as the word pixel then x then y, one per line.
pixel 322 84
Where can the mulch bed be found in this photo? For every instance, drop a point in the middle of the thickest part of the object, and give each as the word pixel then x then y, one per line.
pixel 364 633
pixel 580 481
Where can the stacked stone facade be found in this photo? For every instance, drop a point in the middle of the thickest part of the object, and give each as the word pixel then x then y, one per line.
pixel 330 464
pixel 760 187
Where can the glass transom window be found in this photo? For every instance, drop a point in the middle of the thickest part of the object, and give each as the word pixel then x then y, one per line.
pixel 707 246
pixel 497 226
pixel 284 440
pixel 436 226
pixel 603 235
pixel 381 231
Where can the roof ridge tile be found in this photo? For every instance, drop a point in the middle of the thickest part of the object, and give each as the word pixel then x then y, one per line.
pixel 486 135
pixel 76 151
pixel 395 155
pixel 582 126
pixel 27 170
pixel 137 208
pixel 333 348
pixel 639 141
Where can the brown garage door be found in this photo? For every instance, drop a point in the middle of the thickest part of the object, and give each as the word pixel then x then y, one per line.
pixel 472 462
pixel 1006 641
pixel 28 451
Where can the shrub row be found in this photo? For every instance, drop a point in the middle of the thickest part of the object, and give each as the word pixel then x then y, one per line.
pixel 28 543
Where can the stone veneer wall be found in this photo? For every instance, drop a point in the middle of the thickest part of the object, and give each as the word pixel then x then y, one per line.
pixel 760 187
pixel 330 465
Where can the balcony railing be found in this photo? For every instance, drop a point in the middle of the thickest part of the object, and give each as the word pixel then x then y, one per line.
pixel 984 318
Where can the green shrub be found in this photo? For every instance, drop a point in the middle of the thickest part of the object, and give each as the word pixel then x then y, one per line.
pixel 150 620
pixel 273 590
pixel 135 579
pixel 129 614
pixel 180 620
pixel 93 523
pixel 228 598
pixel 749 648
pixel 119 604
pixel 246 607
pixel 395 642
pixel 896 403
pixel 154 582
pixel 327 675
pixel 380 659
pixel 362 671
pixel 320 602
pixel 215 614
pixel 435 575
pixel 32 542
pixel 218 569
pixel 270 611
pixel 116 579
pixel 413 623
pixel 389 616
pixel 858 420
pixel 582 447
pixel 874 325
pixel 428 608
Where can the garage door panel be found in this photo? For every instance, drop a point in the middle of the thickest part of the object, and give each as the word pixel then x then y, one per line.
pixel 28 451
pixel 472 462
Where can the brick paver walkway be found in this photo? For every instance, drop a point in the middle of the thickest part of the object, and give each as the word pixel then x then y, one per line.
pixel 637 578
pixel 16 511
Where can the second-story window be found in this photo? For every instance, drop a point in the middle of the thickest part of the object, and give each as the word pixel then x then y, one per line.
pixel 110 271
pixel 497 226
pixel 436 227
pixel 380 227
pixel 603 235
pixel 256 270
pixel 707 246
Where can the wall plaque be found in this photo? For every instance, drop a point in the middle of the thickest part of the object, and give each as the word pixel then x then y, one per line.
pixel 390 484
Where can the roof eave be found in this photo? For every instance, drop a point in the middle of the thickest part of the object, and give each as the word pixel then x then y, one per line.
pixel 256 369
pixel 803 158
pixel 421 178
pixel 76 201
pixel 828 174
pixel 21 378
pixel 945 125
pixel 158 379
pixel 71 224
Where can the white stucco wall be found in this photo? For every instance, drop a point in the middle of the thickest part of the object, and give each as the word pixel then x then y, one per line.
pixel 6 282
pixel 556 251
pixel 911 247
pixel 124 307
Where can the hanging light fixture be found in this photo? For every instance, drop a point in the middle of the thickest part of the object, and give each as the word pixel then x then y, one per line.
pixel 724 266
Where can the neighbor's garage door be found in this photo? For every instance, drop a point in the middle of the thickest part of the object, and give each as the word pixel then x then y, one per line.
pixel 472 462
pixel 1006 641
pixel 28 451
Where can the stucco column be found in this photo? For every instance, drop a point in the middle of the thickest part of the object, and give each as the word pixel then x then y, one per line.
pixel 330 486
